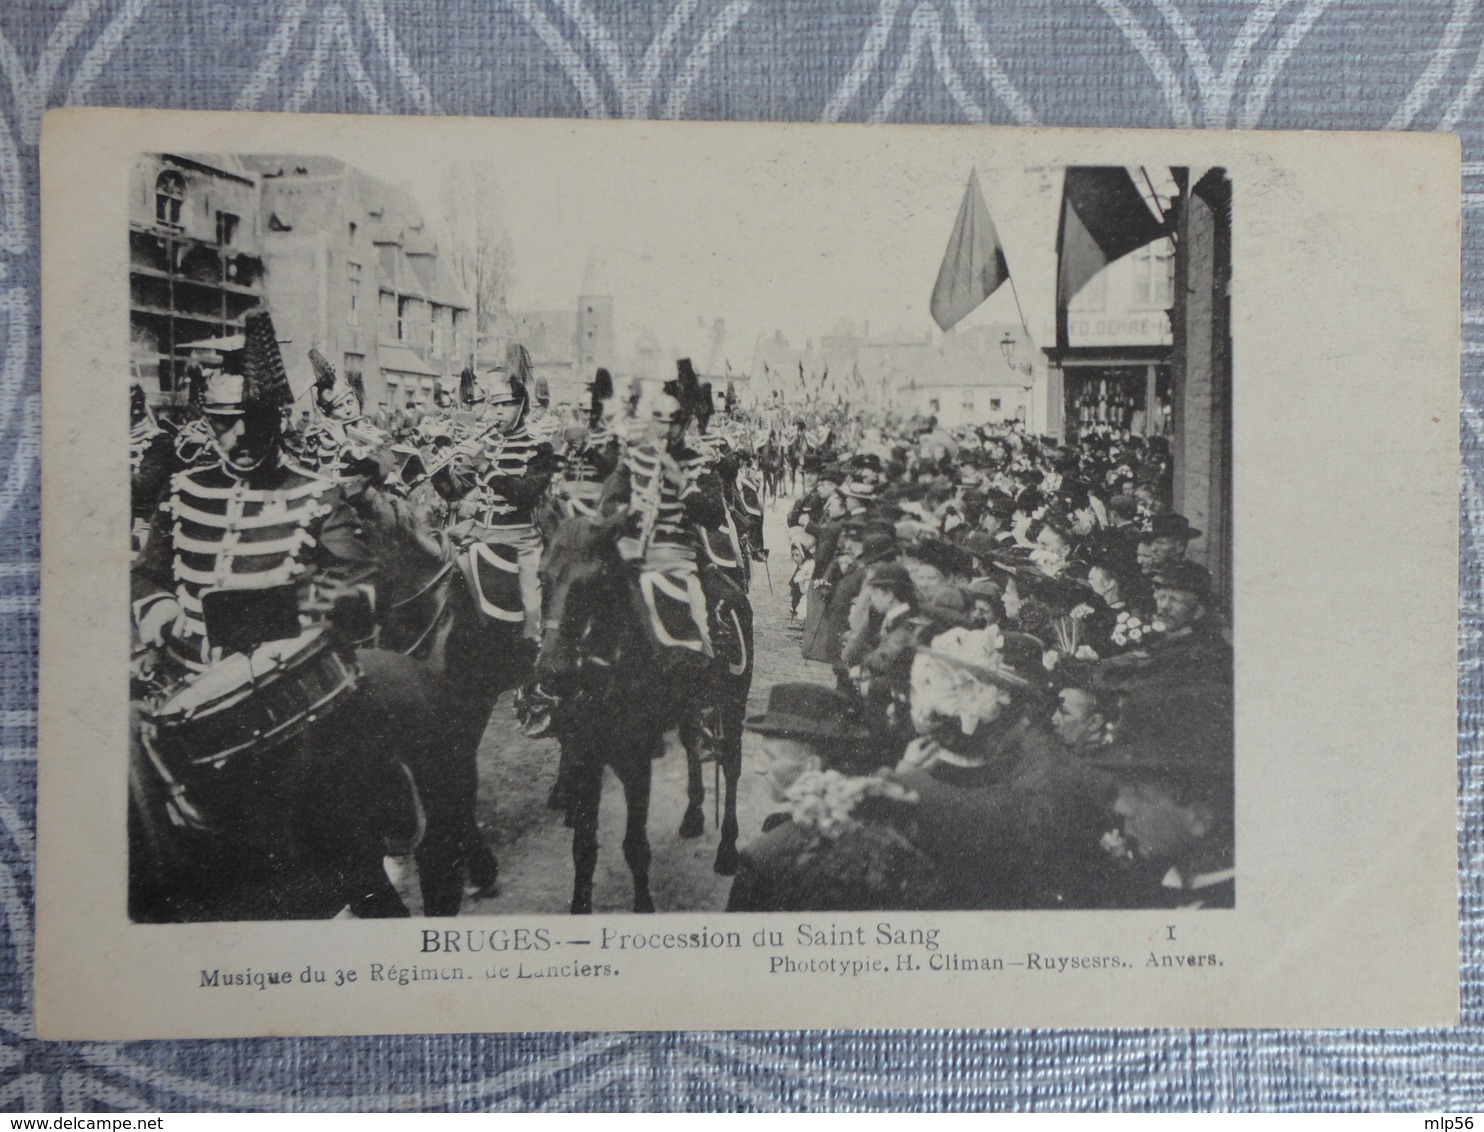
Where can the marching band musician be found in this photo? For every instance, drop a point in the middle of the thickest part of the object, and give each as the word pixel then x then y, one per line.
pixel 248 556
pixel 593 453
pixel 541 422
pixel 671 494
pixel 510 475
pixel 340 440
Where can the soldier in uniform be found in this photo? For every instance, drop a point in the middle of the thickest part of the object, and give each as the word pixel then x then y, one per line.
pixel 252 560
pixel 339 441
pixel 541 422
pixel 593 455
pixel 672 495
pixel 506 481
pixel 720 543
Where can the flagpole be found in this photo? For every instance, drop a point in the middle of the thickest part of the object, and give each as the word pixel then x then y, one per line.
pixel 1154 196
pixel 1023 324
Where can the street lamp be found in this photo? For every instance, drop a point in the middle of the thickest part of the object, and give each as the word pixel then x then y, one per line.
pixel 1007 347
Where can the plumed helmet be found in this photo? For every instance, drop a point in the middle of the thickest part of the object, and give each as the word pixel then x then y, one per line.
pixel 602 393
pixel 684 391
pixel 262 385
pixel 471 392
pixel 705 407
pixel 513 383
pixel 543 391
pixel 331 392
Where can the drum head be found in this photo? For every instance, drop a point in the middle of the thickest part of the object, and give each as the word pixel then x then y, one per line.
pixel 236 675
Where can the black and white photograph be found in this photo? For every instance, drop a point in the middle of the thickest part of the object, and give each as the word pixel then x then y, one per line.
pixel 583 575
pixel 504 542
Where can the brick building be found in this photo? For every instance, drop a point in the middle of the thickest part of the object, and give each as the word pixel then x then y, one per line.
pixel 344 262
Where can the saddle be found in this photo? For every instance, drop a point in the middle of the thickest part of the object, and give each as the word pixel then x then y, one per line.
pixel 684 621
pixel 493 577
pixel 676 606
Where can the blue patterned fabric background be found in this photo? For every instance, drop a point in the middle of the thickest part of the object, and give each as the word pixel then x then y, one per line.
pixel 1312 64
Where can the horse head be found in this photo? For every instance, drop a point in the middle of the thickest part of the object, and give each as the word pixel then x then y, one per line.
pixel 585 580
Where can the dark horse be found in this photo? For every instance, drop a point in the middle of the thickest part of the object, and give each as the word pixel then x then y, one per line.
pixel 468 660
pixel 620 692
pixel 772 462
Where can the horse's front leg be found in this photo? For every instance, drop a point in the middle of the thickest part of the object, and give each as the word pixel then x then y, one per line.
pixel 637 776
pixel 585 789
pixel 693 823
pixel 730 759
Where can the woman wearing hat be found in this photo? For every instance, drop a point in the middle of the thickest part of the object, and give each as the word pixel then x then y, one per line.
pixel 841 842
pixel 1009 817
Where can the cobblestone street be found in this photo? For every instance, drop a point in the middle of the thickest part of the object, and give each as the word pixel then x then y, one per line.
pixel 533 845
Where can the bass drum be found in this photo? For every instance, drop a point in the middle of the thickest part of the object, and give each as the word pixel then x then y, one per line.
pixel 219 740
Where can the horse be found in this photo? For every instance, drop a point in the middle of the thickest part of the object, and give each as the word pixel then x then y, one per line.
pixel 771 462
pixel 431 614
pixel 620 692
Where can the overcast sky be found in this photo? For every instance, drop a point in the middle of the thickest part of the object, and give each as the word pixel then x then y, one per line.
pixel 795 245
pixel 786 228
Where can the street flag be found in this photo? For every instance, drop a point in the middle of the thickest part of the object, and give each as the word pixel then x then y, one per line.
pixel 1103 218
pixel 974 264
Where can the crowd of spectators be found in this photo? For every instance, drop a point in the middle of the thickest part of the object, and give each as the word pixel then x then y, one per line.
pixel 1032 703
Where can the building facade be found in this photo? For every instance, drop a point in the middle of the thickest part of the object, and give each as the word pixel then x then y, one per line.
pixel 344 262
pixel 353 271
pixel 195 263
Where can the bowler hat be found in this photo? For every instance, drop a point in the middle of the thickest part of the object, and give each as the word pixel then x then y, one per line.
pixel 1171 525
pixel 889 574
pixel 877 548
pixel 807 711
pixel 1191 577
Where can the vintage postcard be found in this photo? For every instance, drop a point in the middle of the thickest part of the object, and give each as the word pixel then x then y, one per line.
pixel 566 575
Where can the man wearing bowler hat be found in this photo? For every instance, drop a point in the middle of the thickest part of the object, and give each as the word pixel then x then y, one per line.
pixel 1170 829
pixel 837 846
pixel 1166 541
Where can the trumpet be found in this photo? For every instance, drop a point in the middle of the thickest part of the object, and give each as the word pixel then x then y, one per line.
pixel 469 446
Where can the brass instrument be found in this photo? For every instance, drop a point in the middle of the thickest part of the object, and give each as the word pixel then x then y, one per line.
pixel 469 446
pixel 649 506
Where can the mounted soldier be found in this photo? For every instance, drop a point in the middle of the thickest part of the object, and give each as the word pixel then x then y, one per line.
pixel 720 543
pixel 592 454
pixel 498 477
pixel 672 494
pixel 264 768
pixel 339 440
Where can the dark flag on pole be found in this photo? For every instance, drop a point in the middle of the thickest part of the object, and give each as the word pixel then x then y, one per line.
pixel 974 264
pixel 1103 218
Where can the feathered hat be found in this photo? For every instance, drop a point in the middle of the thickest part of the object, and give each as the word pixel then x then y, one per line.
pixel 329 388
pixel 705 407
pixel 470 391
pixel 263 382
pixel 602 392
pixel 514 382
pixel 686 389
